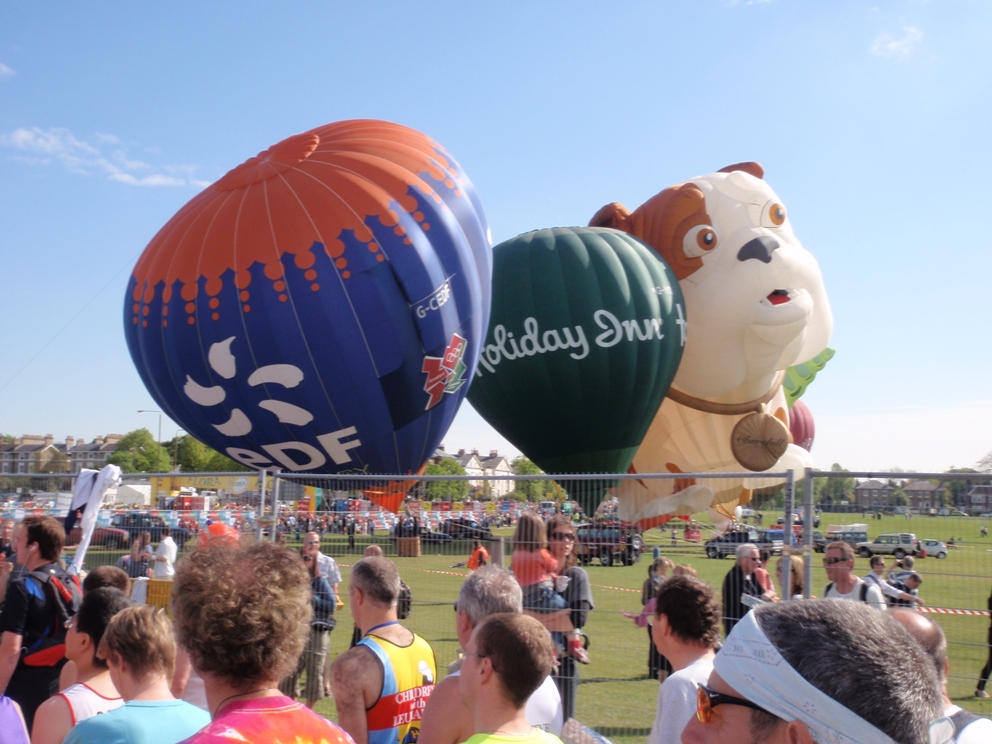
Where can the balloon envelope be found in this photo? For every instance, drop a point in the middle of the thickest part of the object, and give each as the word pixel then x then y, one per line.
pixel 586 334
pixel 322 306
pixel 801 425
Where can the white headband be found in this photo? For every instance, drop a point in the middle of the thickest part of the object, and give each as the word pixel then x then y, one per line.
pixel 750 664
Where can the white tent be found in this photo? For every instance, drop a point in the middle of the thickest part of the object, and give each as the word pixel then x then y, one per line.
pixel 135 495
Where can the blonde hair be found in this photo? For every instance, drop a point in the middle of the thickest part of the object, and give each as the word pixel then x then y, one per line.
pixel 530 533
pixel 684 569
pixel 141 637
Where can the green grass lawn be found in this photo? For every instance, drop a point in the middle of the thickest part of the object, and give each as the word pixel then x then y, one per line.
pixel 615 696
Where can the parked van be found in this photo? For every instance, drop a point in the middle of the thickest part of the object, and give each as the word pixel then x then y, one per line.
pixel 852 534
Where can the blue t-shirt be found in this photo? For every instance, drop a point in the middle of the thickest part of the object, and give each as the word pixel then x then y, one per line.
pixel 141 722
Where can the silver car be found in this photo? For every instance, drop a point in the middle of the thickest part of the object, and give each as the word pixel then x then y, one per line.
pixel 934 548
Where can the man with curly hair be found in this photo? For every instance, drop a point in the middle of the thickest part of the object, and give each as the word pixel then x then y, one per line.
pixel 243 614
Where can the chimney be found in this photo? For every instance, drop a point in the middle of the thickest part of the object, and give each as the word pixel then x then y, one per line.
pixel 441 447
pixel 80 442
pixel 49 440
pixel 97 440
pixel 493 453
pixel 475 452
pixel 70 442
pixel 461 453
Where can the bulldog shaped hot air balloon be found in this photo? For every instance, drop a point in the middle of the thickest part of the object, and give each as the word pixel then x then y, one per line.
pixel 322 306
pixel 586 333
pixel 755 305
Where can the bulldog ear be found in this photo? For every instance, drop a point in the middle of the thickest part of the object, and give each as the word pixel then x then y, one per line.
pixel 612 215
pixel 754 169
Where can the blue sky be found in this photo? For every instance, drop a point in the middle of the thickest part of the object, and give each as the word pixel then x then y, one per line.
pixel 872 121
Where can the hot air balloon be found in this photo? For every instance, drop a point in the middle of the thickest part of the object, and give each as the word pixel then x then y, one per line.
pixel 322 306
pixel 801 425
pixel 586 334
pixel 756 305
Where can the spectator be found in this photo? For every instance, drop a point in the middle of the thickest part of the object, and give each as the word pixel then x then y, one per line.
pixel 968 728
pixel 561 544
pixel 329 570
pixel 792 584
pixel 6 538
pixel 983 676
pixel 243 614
pixel 838 560
pixel 106 576
pixel 657 664
pixel 137 561
pixel 507 658
pixel 34 617
pixel 537 572
pixel 764 578
pixel 835 681
pixel 907 589
pixel 140 651
pixel 479 557
pixel 324 603
pixel 684 569
pixel 93 691
pixel 740 580
pixel 165 556
pixel 889 589
pixel 489 591
pixel 12 723
pixel 686 629
pixel 381 685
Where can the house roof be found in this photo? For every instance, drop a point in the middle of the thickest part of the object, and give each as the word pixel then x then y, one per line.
pixel 921 485
pixel 872 483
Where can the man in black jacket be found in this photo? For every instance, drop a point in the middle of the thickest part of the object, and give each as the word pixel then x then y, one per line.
pixel 740 580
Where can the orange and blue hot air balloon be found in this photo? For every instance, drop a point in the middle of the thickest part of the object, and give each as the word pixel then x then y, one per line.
pixel 322 307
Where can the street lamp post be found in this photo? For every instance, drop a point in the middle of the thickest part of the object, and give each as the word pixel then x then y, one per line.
pixel 152 410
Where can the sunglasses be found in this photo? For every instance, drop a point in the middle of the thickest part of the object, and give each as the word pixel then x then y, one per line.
pixel 707 700
pixel 832 561
pixel 562 535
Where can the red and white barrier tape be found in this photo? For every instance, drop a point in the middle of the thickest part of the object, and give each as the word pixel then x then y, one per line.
pixel 948 611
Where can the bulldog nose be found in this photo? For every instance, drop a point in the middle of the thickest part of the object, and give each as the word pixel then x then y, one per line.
pixel 759 248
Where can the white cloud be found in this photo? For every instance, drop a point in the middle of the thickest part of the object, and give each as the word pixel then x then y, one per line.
pixel 103 154
pixel 887 45
pixel 6 71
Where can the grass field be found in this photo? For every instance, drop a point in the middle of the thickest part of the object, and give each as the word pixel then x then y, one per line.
pixel 615 696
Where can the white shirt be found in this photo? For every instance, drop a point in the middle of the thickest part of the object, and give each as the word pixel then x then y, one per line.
pixel 543 709
pixel 873 597
pixel 677 702
pixel 885 586
pixel 976 732
pixel 328 568
pixel 167 548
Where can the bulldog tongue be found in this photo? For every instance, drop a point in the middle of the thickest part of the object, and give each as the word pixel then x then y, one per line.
pixel 778 297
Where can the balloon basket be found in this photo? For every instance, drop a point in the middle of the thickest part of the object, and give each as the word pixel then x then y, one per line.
pixel 408 547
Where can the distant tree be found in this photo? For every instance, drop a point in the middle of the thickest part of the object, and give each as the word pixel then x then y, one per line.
pixel 446 490
pixel 138 452
pixel 219 463
pixel 956 489
pixel 835 488
pixel 9 439
pixel 533 490
pixel 985 464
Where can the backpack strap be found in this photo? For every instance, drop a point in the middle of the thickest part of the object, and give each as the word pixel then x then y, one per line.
pixel 961 719
pixel 864 591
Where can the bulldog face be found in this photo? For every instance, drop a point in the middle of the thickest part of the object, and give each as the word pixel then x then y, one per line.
pixel 755 300
pixel 754 296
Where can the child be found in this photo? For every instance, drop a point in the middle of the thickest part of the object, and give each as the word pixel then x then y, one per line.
pixel 535 570
pixel 657 571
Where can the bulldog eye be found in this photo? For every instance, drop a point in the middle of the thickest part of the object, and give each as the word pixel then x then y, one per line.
pixel 699 241
pixel 773 215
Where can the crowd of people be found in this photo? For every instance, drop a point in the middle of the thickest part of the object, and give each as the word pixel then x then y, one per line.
pixel 248 634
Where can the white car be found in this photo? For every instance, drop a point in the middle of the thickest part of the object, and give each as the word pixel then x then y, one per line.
pixel 934 548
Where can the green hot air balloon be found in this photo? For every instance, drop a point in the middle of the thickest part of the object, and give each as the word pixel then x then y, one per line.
pixel 585 337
